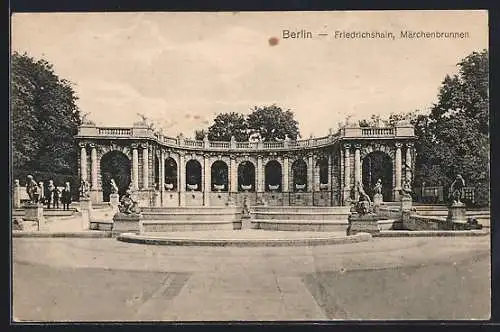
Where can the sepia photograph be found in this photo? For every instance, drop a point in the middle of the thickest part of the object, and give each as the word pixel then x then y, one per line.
pixel 298 166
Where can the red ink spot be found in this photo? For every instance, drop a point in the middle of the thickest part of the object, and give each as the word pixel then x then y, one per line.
pixel 273 41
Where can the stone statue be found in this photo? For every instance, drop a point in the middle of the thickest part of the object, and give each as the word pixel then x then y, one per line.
pixel 406 190
pixel 84 189
pixel 378 187
pixel 456 189
pixel 114 187
pixel 127 204
pixel 364 204
pixel 32 189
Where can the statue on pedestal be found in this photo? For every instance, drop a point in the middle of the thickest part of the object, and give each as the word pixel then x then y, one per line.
pixel 33 190
pixel 456 189
pixel 364 204
pixel 127 204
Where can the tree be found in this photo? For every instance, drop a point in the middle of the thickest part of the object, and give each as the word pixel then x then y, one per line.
pixel 272 123
pixel 269 122
pixel 454 138
pixel 458 125
pixel 226 125
pixel 45 119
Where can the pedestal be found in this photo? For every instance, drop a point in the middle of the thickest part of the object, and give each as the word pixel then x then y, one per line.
pixel 16 198
pixel 86 208
pixel 406 203
pixel 124 223
pixel 114 201
pixel 33 212
pixel 363 223
pixel 377 201
pixel 457 219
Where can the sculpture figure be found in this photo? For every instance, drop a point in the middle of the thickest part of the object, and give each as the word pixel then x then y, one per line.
pixel 114 187
pixel 406 189
pixel 364 204
pixel 127 204
pixel 456 189
pixel 32 189
pixel 378 187
pixel 84 189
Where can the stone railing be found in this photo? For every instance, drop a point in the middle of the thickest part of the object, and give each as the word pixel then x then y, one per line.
pixel 110 131
pixel 180 141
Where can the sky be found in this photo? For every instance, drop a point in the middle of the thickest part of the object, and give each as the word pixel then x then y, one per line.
pixel 182 69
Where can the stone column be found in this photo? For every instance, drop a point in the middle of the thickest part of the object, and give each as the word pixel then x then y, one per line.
pixel 181 179
pixel 83 161
pixel 93 162
pixel 145 167
pixel 233 173
pixel 397 171
pixel 260 174
pixel 347 174
pixel 357 168
pixel 207 181
pixel 310 174
pixel 408 162
pixel 285 175
pixel 135 167
pixel 161 176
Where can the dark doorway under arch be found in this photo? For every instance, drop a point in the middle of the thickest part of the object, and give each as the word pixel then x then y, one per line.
pixel 219 172
pixel 170 174
pixel 377 165
pixel 246 176
pixel 273 176
pixel 114 165
pixel 299 175
pixel 193 175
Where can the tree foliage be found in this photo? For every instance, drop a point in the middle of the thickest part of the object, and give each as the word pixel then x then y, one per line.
pixel 454 138
pixel 270 122
pixel 45 119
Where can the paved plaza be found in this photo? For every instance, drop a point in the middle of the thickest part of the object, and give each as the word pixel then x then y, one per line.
pixel 59 279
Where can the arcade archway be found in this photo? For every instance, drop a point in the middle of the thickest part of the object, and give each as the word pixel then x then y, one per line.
pixel 273 176
pixel 114 165
pixel 170 174
pixel 299 175
pixel 246 176
pixel 193 175
pixel 219 172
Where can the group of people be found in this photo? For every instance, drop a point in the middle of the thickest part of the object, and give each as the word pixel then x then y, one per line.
pixel 53 195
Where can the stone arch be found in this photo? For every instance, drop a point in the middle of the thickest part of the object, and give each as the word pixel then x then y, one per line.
pixel 115 165
pixel 387 149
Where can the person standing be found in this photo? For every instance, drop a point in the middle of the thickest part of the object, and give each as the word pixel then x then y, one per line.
pixel 66 196
pixel 56 195
pixel 50 196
